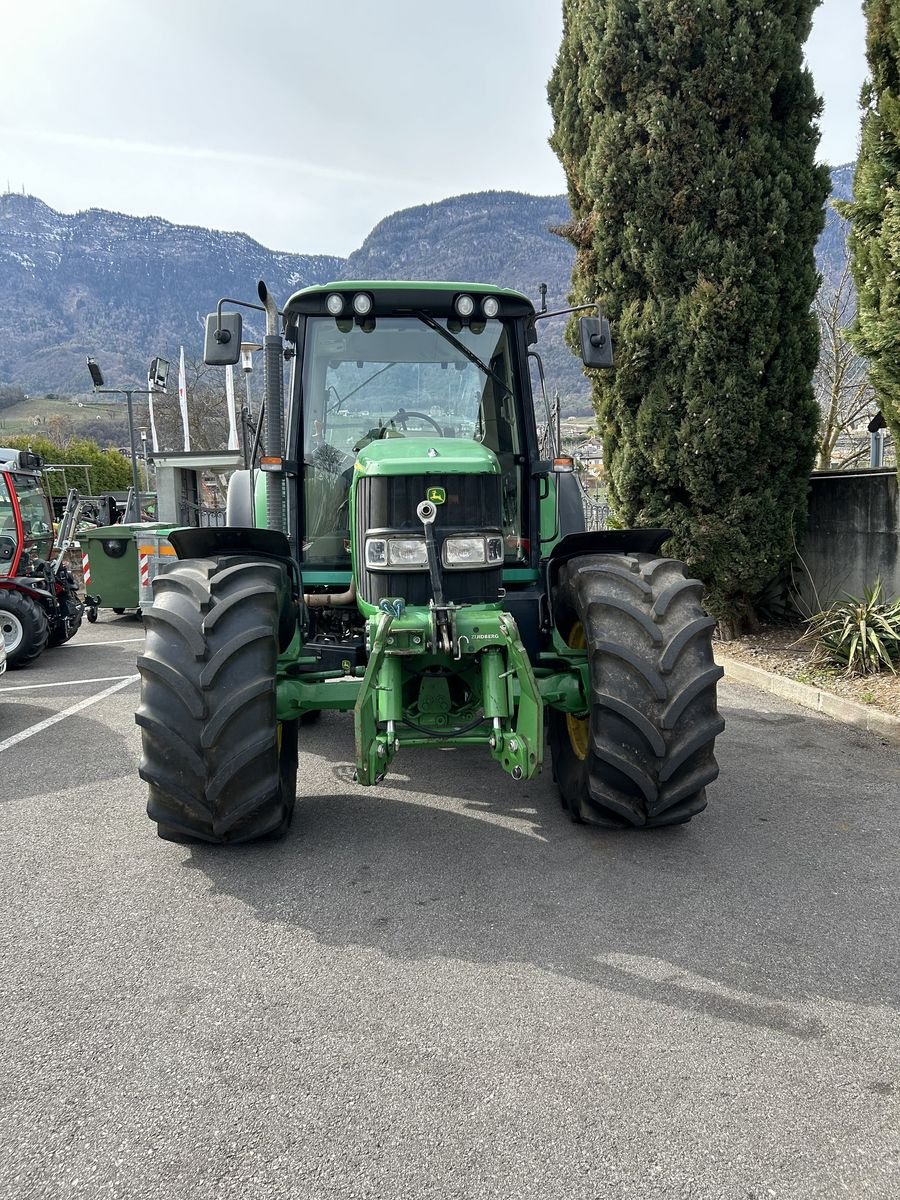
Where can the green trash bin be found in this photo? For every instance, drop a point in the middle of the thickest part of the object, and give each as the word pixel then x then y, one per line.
pixel 110 563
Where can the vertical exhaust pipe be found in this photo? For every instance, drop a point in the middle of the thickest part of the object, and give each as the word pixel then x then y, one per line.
pixel 274 429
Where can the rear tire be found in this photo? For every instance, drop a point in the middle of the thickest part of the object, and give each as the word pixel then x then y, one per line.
pixel 220 766
pixel 24 627
pixel 644 755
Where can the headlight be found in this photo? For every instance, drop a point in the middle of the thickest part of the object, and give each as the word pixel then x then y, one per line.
pixel 362 304
pixel 478 551
pixel 490 306
pixel 464 306
pixel 396 553
pixel 335 303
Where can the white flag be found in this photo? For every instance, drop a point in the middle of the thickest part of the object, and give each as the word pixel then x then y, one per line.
pixel 182 398
pixel 233 443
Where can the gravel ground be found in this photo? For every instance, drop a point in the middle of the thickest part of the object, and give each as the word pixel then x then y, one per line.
pixel 776 648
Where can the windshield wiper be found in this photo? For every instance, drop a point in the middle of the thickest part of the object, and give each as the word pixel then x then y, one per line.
pixel 463 349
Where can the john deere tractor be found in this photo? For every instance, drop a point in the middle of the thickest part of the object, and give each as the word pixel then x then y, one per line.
pixel 404 552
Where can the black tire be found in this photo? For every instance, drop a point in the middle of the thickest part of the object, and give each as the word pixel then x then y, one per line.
pixel 119 611
pixel 311 716
pixel 92 616
pixel 64 629
pixel 23 626
pixel 220 766
pixel 644 756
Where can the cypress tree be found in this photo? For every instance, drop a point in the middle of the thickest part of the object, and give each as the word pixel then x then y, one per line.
pixel 687 133
pixel 874 212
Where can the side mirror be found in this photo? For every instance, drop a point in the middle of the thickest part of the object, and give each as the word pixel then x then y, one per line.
pixel 222 343
pixel 596 344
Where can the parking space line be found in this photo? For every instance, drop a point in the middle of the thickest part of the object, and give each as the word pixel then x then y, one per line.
pixel 67 712
pixel 27 687
pixel 81 645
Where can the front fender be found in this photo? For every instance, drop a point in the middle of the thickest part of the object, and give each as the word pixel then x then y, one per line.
pixel 603 541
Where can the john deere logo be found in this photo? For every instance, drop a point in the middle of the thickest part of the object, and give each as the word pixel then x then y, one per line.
pixel 436 495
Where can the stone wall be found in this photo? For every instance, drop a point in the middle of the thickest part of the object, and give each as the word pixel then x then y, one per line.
pixel 852 537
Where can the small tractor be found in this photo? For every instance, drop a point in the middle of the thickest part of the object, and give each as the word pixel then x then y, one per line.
pixel 404 552
pixel 39 604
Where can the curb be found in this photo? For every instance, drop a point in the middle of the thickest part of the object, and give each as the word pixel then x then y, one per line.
pixel 874 720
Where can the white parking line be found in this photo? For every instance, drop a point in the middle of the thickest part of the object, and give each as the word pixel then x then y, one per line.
pixel 67 712
pixel 27 687
pixel 81 645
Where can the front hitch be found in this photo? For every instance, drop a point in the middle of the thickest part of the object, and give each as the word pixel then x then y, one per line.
pixel 426 512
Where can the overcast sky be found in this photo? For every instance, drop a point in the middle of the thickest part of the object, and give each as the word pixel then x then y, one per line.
pixel 305 124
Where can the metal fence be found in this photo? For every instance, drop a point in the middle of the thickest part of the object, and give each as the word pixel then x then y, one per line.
pixel 596 512
pixel 201 516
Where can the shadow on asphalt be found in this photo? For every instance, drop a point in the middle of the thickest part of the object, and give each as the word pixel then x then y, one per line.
pixel 92 752
pixel 762 901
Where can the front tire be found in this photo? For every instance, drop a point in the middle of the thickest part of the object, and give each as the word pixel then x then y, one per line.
pixel 644 754
pixel 220 766
pixel 64 629
pixel 24 626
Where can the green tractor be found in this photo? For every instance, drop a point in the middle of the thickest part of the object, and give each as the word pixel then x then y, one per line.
pixel 404 551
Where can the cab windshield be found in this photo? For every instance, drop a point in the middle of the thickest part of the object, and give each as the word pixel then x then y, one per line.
pixel 401 378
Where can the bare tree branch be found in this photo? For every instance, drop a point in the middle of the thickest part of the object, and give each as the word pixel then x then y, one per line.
pixel 845 397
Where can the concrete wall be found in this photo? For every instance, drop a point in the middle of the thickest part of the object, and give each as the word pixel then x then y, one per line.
pixel 852 536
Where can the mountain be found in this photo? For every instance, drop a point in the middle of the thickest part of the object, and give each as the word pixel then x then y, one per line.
pixel 485 237
pixel 831 252
pixel 124 289
pixel 120 288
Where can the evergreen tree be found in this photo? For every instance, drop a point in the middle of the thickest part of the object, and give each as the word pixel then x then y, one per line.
pixel 875 212
pixel 687 133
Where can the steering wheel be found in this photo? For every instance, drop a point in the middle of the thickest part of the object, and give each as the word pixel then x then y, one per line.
pixel 404 413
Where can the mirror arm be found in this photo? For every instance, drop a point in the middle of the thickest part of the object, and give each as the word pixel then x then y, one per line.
pixel 562 312
pixel 241 304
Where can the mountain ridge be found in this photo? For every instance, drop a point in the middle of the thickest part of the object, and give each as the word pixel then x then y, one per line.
pixel 125 289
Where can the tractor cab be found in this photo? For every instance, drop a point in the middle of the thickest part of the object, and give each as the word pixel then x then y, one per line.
pixel 390 362
pixel 26 518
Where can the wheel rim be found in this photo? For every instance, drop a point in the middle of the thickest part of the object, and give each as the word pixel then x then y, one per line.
pixel 12 631
pixel 578 727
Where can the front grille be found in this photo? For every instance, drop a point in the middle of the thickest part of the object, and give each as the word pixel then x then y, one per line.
pixel 388 502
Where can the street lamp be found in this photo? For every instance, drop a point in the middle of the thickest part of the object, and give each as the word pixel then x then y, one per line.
pixel 248 349
pixel 158 374
pixel 146 460
pixel 97 380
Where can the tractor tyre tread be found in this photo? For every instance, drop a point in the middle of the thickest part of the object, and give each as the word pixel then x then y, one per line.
pixel 219 766
pixel 653 717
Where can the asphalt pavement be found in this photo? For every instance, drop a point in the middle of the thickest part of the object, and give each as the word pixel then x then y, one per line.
pixel 441 987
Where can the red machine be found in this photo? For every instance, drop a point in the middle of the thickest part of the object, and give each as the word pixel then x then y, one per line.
pixel 39 604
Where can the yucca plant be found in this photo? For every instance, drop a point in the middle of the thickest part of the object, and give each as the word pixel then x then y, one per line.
pixel 860 635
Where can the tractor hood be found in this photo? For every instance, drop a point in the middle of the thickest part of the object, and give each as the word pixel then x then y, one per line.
pixel 426 456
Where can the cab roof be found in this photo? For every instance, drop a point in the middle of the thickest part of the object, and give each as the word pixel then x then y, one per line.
pixel 398 297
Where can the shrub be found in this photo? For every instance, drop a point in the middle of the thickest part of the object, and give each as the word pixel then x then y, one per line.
pixel 860 635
